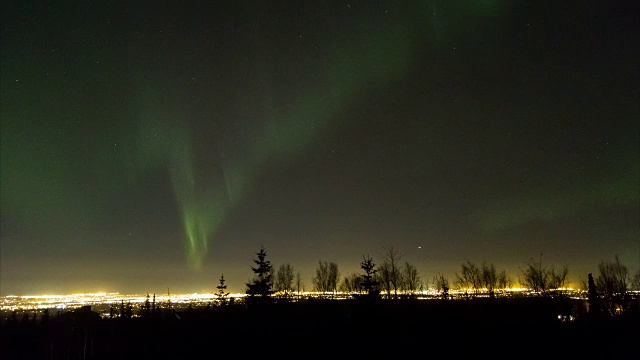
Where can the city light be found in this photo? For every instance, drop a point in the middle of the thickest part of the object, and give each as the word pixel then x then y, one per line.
pixel 103 300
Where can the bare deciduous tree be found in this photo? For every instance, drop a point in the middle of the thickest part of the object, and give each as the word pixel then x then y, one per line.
pixel 411 281
pixel 469 278
pixel 352 283
pixel 504 282
pixel 283 283
pixel 541 279
pixel 535 276
pixel 383 277
pixel 557 280
pixel 612 278
pixel 334 275
pixel 635 284
pixel 392 272
pixel 489 278
pixel 612 284
pixel 326 278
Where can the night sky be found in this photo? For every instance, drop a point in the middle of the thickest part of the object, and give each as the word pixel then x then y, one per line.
pixel 147 148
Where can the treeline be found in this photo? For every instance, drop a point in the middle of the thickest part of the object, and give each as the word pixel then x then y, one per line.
pixel 612 290
pixel 381 312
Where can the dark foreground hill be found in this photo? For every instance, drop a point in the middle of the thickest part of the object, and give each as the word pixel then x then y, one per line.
pixel 498 328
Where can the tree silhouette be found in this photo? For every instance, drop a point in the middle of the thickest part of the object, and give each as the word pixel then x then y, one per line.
pixel 44 320
pixel 470 278
pixel 369 282
pixel 126 310
pixel 595 306
pixel 489 277
pixel 153 305
pixel 383 277
pixel 410 279
pixel 390 272
pixel 221 295
pixel 284 280
pixel 299 283
pixel 326 278
pixel 351 283
pixel 557 280
pixel 635 283
pixel 612 283
pixel 541 279
pixel 441 284
pixel 25 318
pixel 504 282
pixel 261 286
pixel 146 307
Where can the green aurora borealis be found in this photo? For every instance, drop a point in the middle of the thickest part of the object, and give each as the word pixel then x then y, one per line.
pixel 177 139
pixel 369 60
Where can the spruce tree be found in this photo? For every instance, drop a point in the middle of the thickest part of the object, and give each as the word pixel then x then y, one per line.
pixel 261 286
pixel 146 308
pixel 369 282
pixel 221 296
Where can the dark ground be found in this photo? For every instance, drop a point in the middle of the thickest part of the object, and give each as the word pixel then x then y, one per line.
pixel 498 328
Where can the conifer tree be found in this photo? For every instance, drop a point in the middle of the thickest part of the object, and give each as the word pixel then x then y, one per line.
pixel 369 282
pixel 221 296
pixel 595 306
pixel 261 286
pixel 146 308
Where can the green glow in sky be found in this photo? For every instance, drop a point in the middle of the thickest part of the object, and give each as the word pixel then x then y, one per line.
pixel 550 206
pixel 367 59
pixel 162 142
pixel 166 142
